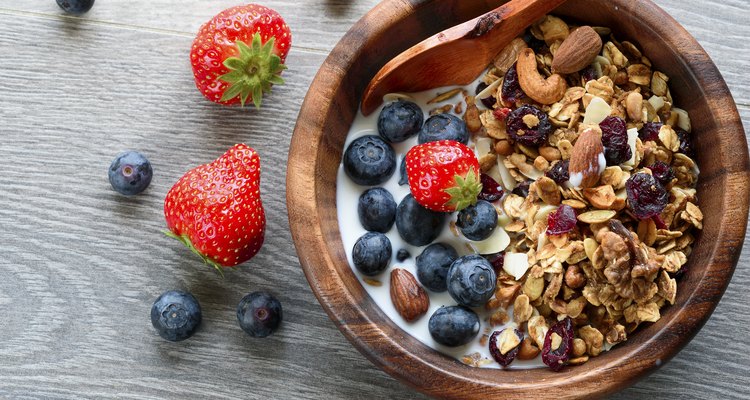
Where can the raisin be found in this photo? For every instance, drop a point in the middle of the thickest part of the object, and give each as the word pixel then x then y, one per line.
pixel 535 44
pixel 497 260
pixel 662 172
pixel 559 172
pixel 557 358
pixel 519 127
pixel 507 358
pixel 588 74
pixel 650 131
pixel 562 220
pixel 646 196
pixel 511 88
pixel 491 190
pixel 686 144
pixel 489 101
pixel 522 189
pixel 615 140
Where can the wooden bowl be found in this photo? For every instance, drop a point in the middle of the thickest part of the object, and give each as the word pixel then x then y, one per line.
pixel 315 155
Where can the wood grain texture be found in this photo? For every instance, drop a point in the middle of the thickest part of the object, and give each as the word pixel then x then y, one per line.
pixel 82 265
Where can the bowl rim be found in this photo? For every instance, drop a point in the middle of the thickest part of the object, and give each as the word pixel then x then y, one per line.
pixel 393 351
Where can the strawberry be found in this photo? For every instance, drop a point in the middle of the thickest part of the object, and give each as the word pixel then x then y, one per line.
pixel 240 53
pixel 443 175
pixel 215 209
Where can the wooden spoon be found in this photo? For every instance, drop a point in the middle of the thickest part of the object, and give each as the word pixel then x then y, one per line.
pixel 455 56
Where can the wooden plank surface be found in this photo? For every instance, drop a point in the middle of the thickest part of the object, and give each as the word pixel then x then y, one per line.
pixel 82 265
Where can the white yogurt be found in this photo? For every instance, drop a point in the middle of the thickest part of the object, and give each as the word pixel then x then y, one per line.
pixel 347 197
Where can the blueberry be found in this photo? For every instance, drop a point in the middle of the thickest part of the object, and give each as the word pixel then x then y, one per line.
pixel 175 315
pixel 433 265
pixel 417 225
pixel 403 178
pixel 259 314
pixel 477 222
pixel 130 173
pixel 402 254
pixel 372 253
pixel 454 325
pixel 399 121
pixel 369 160
pixel 377 210
pixel 444 127
pixel 471 280
pixel 76 7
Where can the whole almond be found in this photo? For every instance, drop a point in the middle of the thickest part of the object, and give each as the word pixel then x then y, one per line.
pixel 408 297
pixel 585 158
pixel 577 51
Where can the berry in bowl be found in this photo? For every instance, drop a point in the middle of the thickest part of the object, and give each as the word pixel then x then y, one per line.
pixel 545 214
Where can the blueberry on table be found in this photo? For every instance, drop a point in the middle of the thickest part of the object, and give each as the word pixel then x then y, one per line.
pixel 176 315
pixel 477 222
pixel 259 314
pixel 399 121
pixel 444 127
pixel 417 225
pixel 76 7
pixel 403 178
pixel 454 325
pixel 372 253
pixel 471 280
pixel 433 264
pixel 130 173
pixel 377 210
pixel 369 160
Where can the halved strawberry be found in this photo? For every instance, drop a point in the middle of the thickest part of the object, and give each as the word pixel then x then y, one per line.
pixel 216 211
pixel 443 175
pixel 239 54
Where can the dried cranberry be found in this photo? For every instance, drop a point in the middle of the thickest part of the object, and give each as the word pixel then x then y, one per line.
pixel 680 273
pixel 686 144
pixel 511 88
pixel 497 260
pixel 559 172
pixel 491 190
pixel 489 101
pixel 615 140
pixel 507 358
pixel 650 131
pixel 556 359
pixel 659 222
pixel 521 132
pixel 501 114
pixel 662 172
pixel 646 196
pixel 522 189
pixel 588 74
pixel 562 220
pixel 535 44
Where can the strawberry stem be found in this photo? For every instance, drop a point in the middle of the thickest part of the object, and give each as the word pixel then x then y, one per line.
pixel 186 241
pixel 252 72
pixel 465 191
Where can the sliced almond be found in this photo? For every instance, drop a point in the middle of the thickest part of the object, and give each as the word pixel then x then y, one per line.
pixel 596 216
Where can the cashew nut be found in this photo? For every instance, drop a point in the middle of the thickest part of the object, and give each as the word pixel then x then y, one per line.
pixel 541 90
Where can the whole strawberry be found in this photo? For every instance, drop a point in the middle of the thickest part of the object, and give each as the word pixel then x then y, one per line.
pixel 239 54
pixel 443 175
pixel 216 211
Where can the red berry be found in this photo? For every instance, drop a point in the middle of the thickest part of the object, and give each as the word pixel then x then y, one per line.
pixel 510 90
pixel 507 358
pixel 615 140
pixel 491 190
pixel 562 220
pixel 646 196
pixel 239 54
pixel 215 209
pixel 443 175
pixel 557 358
pixel 529 131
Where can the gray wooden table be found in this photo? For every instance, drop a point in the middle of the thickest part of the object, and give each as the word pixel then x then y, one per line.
pixel 81 265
